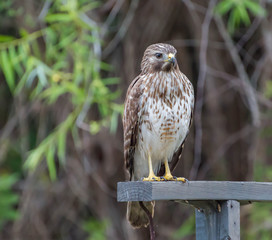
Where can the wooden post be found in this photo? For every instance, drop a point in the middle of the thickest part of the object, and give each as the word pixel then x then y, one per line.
pixel 217 203
pixel 221 222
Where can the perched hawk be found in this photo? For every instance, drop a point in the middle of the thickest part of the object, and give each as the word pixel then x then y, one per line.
pixel 158 112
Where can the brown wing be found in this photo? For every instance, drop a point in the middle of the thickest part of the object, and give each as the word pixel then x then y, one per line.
pixel 130 121
pixel 177 154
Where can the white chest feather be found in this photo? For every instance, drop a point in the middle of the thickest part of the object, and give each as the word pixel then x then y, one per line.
pixel 165 117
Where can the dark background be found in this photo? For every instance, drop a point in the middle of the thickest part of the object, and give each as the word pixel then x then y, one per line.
pixel 71 193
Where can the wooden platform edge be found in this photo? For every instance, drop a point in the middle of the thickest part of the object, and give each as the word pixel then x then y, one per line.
pixel 194 190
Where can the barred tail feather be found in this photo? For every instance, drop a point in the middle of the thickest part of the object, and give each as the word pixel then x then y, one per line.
pixel 137 216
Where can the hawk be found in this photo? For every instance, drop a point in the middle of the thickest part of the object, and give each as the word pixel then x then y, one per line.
pixel 157 117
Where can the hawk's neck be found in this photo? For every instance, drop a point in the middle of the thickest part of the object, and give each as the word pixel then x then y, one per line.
pixel 164 84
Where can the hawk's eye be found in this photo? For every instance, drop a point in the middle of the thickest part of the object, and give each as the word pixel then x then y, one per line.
pixel 158 55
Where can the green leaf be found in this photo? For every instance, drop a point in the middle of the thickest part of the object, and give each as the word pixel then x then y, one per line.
pixel 7 69
pixel 41 76
pixel 6 181
pixel 51 163
pixel 7 213
pixel 34 158
pixel 110 81
pixel 268 89
pixel 243 15
pixel 234 20
pixel 61 146
pixel 224 6
pixel 6 38
pixel 58 17
pixel 114 122
pixel 94 127
pixel 15 59
pixel 8 198
pixel 255 8
pixel 187 229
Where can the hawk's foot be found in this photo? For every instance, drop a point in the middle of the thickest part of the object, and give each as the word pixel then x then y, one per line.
pixel 169 177
pixel 152 177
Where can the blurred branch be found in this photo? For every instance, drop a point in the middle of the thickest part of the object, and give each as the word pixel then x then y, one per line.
pixel 122 30
pixel 249 33
pixel 232 139
pixel 196 43
pixel 200 88
pixel 248 89
pixel 111 17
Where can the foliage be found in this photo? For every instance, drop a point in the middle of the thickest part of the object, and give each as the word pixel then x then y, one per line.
pixel 8 199
pixel 239 12
pixel 62 60
pixel 187 229
pixel 268 89
pixel 95 229
pixel 260 215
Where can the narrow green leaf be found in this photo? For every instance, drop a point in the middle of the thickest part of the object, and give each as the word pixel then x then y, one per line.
pixel 41 76
pixel 114 122
pixel 7 69
pixel 51 163
pixel 61 147
pixel 234 20
pixel 224 6
pixel 255 8
pixel 243 15
pixel 15 59
pixel 34 158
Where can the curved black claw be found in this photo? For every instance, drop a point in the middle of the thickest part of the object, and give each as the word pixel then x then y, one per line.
pixel 181 179
pixel 163 179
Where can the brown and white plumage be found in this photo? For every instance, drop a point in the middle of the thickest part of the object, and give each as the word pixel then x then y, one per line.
pixel 158 110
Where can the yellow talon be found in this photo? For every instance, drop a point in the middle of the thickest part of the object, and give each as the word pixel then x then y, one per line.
pixel 152 178
pixel 168 176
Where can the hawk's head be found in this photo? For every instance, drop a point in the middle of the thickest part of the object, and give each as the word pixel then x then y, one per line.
pixel 159 57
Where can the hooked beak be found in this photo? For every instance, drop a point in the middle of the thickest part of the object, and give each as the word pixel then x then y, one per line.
pixel 171 58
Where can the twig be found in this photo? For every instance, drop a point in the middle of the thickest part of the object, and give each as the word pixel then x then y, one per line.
pixel 248 34
pixel 233 138
pixel 111 17
pixel 151 225
pixel 123 29
pixel 248 89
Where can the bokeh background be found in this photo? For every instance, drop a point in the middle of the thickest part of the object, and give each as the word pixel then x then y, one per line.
pixel 65 66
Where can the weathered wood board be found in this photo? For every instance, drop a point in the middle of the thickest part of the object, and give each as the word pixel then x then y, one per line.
pixel 194 190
